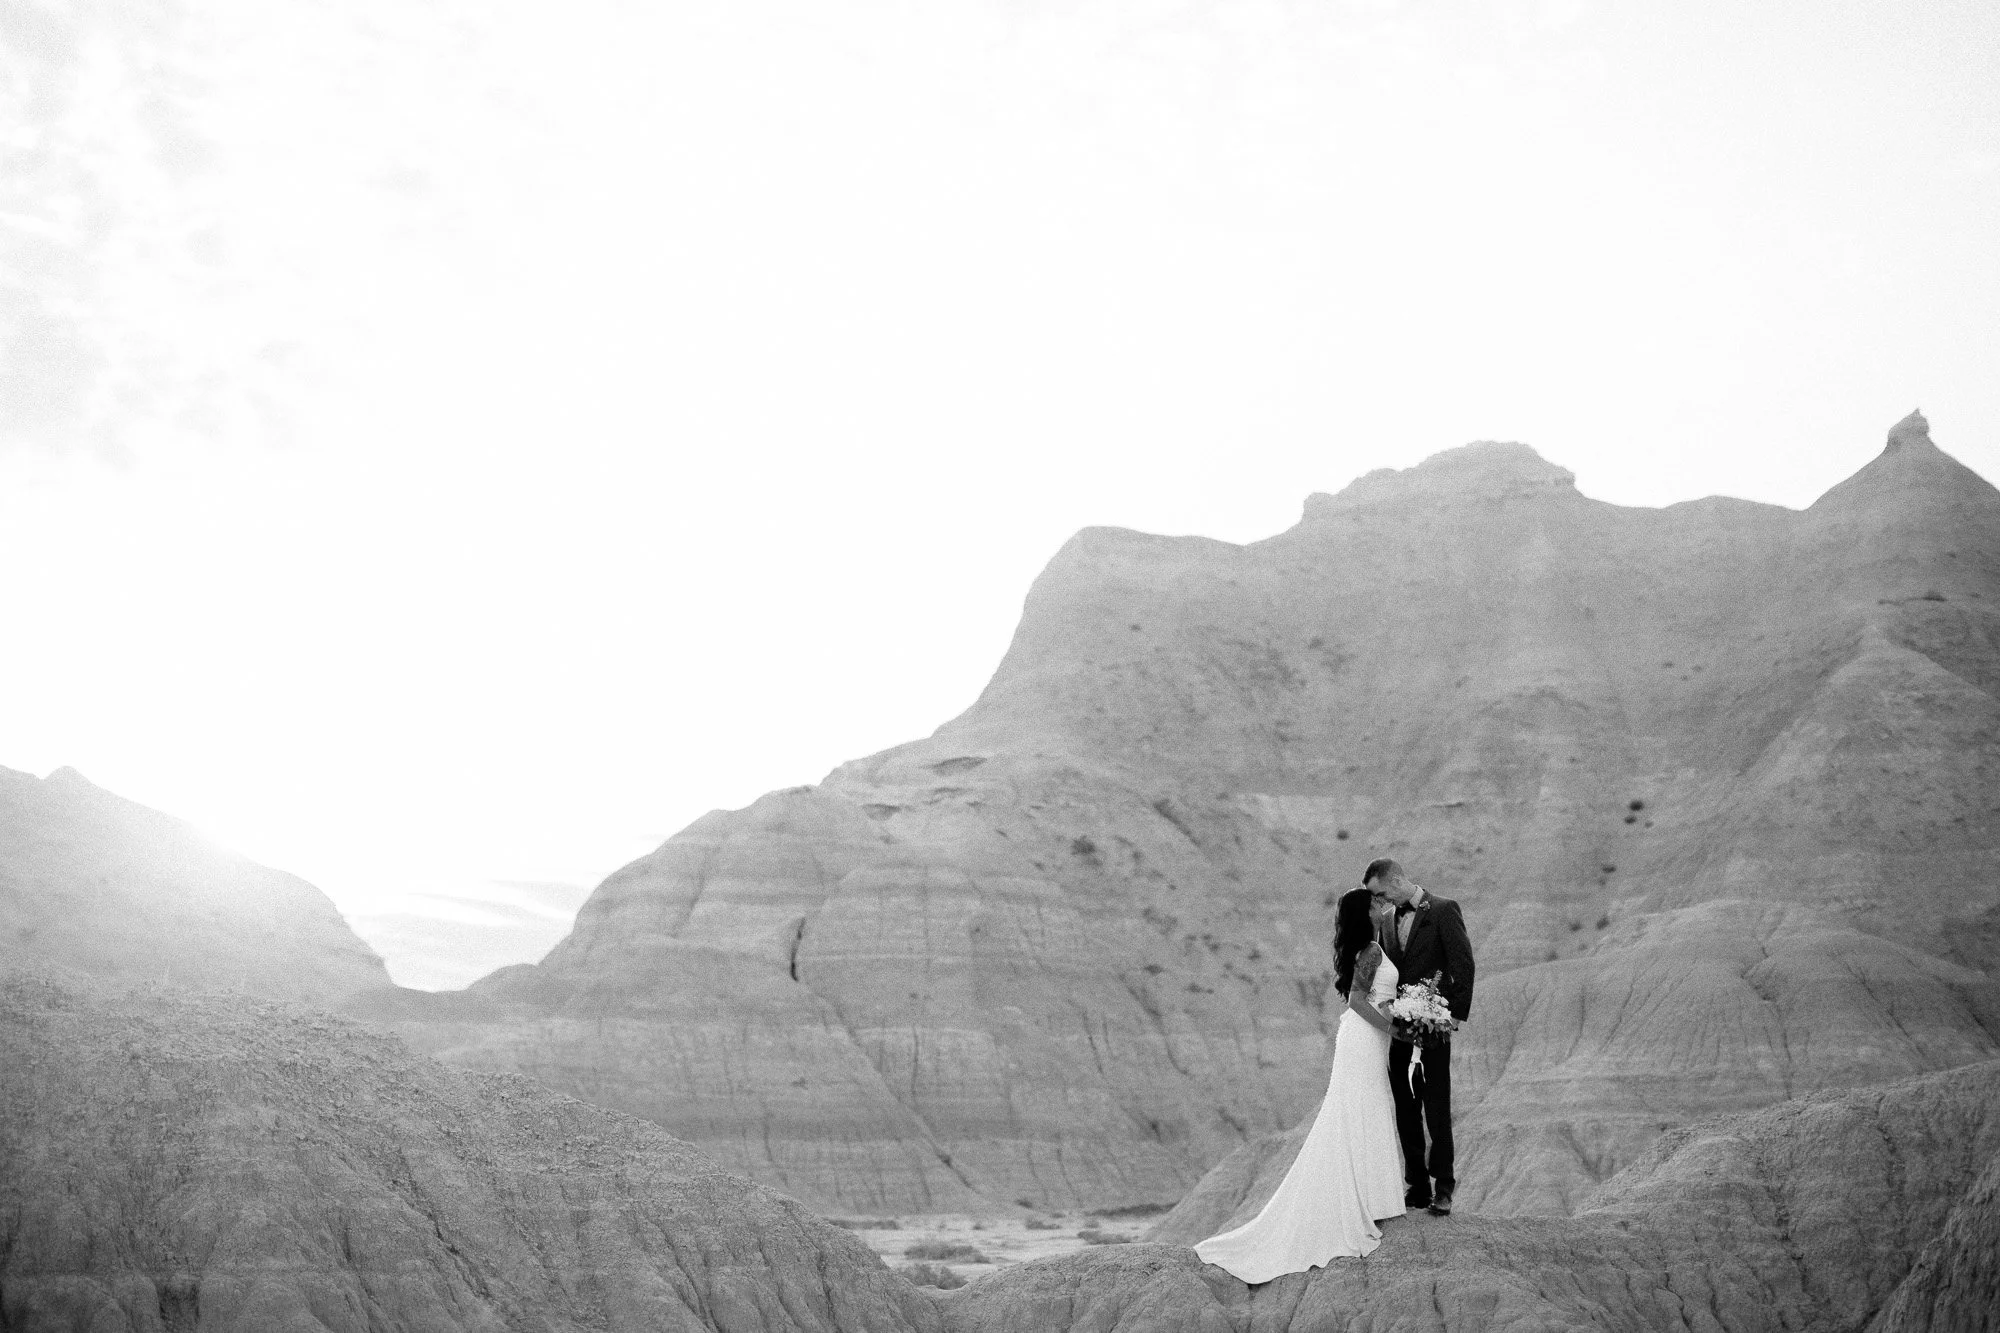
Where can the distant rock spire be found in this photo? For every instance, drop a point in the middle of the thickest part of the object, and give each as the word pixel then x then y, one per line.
pixel 1910 471
pixel 1912 429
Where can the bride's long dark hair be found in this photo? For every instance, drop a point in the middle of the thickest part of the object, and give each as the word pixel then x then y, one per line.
pixel 1353 931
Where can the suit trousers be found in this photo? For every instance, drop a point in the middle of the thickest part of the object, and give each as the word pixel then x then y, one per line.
pixel 1429 1107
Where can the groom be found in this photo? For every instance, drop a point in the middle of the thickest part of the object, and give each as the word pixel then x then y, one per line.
pixel 1423 935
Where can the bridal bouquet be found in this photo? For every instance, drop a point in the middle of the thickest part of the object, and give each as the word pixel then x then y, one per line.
pixel 1421 1013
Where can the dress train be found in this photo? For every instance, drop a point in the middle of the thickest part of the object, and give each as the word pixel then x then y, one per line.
pixel 1349 1171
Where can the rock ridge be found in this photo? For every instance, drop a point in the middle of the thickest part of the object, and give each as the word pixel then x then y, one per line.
pixel 1483 470
pixel 230 1164
pixel 92 881
pixel 1071 948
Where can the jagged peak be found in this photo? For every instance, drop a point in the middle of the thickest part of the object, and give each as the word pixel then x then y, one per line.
pixel 1484 469
pixel 1911 430
pixel 1910 469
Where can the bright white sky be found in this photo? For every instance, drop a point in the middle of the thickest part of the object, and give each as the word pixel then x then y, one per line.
pixel 446 447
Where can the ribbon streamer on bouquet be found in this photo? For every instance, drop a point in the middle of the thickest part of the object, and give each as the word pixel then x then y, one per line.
pixel 1416 1069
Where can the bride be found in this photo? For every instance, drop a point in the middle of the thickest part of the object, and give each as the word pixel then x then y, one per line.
pixel 1349 1172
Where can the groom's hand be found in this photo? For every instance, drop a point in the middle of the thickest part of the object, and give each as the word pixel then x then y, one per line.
pixel 1457 986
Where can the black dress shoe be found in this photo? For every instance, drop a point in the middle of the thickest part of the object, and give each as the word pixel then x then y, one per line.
pixel 1441 1205
pixel 1416 1199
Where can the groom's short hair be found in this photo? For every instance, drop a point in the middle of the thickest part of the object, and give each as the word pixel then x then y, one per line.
pixel 1381 868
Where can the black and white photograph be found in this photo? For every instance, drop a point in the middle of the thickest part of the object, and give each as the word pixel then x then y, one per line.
pixel 999 666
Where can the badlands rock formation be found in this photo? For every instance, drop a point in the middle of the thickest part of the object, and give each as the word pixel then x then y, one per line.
pixel 1724 1006
pixel 1954 1286
pixel 1715 785
pixel 1841 1211
pixel 177 1162
pixel 100 884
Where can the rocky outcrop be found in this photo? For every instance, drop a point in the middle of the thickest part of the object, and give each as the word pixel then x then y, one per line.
pixel 1954 1286
pixel 1819 1213
pixel 1722 768
pixel 179 1162
pixel 93 882
pixel 1725 1006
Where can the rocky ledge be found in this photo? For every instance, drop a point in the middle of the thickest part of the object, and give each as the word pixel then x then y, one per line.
pixel 1872 1209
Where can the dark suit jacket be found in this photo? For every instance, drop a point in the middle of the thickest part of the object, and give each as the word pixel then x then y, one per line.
pixel 1437 944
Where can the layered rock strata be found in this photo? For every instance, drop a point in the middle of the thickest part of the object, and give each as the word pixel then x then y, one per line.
pixel 1725 1006
pixel 175 1161
pixel 105 886
pixel 1714 785
pixel 1841 1211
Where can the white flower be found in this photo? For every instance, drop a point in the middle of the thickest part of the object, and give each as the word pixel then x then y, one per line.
pixel 1420 1007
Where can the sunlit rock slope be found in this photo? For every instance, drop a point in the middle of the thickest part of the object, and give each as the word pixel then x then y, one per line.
pixel 173 1161
pixel 1716 785
pixel 97 883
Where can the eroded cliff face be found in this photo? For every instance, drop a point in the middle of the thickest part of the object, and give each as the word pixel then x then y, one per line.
pixel 178 1161
pixel 102 885
pixel 1714 785
pixel 1838 1211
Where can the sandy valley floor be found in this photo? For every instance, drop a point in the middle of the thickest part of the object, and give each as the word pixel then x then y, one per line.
pixel 993 1242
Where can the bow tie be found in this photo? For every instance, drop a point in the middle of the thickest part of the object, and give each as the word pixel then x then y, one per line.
pixel 1405 910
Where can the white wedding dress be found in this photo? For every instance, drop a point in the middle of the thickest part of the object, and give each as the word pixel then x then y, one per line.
pixel 1349 1171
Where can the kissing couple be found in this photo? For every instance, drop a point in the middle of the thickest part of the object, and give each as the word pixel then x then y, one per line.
pixel 1365 1160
